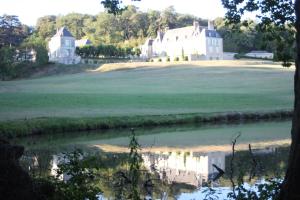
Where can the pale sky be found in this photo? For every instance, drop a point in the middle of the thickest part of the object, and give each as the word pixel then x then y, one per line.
pixel 30 10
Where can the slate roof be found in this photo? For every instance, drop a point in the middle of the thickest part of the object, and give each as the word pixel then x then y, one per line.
pixel 180 33
pixel 63 32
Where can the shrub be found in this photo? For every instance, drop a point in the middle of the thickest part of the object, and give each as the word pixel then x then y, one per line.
pixel 168 59
pixel 237 56
pixel 159 60
pixel 176 59
pixel 186 58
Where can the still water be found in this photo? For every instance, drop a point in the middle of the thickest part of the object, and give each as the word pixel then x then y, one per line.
pixel 185 156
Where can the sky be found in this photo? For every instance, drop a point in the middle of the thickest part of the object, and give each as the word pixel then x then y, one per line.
pixel 30 10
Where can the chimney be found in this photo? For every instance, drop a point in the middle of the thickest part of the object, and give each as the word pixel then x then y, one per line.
pixel 196 25
pixel 210 25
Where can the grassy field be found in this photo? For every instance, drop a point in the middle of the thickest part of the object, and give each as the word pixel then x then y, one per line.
pixel 151 89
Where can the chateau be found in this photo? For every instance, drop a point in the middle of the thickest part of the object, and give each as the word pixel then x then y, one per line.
pixel 62 47
pixel 192 43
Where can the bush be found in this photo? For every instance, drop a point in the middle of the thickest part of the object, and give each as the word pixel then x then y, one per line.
pixel 104 51
pixel 6 62
pixel 159 60
pixel 176 59
pixel 186 58
pixel 238 56
pixel 41 55
pixel 168 59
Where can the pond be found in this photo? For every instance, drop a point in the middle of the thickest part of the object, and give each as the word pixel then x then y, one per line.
pixel 186 157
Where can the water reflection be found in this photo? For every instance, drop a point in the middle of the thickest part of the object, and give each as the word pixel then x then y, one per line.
pixel 185 171
pixel 192 168
pixel 184 157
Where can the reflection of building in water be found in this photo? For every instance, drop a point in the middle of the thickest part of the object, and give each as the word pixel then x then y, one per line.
pixel 193 168
pixel 58 159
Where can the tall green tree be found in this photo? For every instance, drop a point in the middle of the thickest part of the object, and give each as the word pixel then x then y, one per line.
pixel 74 22
pixel 46 26
pixel 12 32
pixel 168 18
pixel 281 14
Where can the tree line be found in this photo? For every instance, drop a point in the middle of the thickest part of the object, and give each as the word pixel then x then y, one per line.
pixel 131 27
pixel 122 34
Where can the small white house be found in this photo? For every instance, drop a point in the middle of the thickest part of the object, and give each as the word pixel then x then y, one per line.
pixel 195 42
pixel 260 54
pixel 62 48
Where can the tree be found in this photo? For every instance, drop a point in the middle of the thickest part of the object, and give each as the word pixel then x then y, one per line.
pixel 74 22
pixel 168 18
pixel 279 14
pixel 11 30
pixel 39 45
pixel 114 6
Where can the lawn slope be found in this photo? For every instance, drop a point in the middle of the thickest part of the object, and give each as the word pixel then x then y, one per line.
pixel 150 89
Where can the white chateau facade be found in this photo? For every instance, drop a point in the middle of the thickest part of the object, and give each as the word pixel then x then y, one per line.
pixel 62 47
pixel 192 42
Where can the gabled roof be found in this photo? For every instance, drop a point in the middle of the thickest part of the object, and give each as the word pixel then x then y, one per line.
pixel 63 32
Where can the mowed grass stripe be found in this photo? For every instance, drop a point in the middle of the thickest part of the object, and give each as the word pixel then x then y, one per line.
pixel 149 91
pixel 74 105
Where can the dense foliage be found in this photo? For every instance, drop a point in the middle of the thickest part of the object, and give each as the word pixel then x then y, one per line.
pixel 17 41
pixel 131 27
pixel 105 51
pixel 276 23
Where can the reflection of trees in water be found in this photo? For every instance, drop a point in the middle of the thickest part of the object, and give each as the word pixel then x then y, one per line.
pixel 37 162
pixel 271 162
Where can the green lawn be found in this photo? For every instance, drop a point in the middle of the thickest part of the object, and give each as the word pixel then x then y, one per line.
pixel 176 89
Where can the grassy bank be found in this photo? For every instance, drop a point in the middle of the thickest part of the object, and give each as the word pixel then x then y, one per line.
pixel 134 94
pixel 19 128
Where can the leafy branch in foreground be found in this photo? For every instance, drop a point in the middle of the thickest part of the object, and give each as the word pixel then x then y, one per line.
pixel 80 181
pixel 276 17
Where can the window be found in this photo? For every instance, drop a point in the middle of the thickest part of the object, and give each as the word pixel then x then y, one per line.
pixel 68 43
